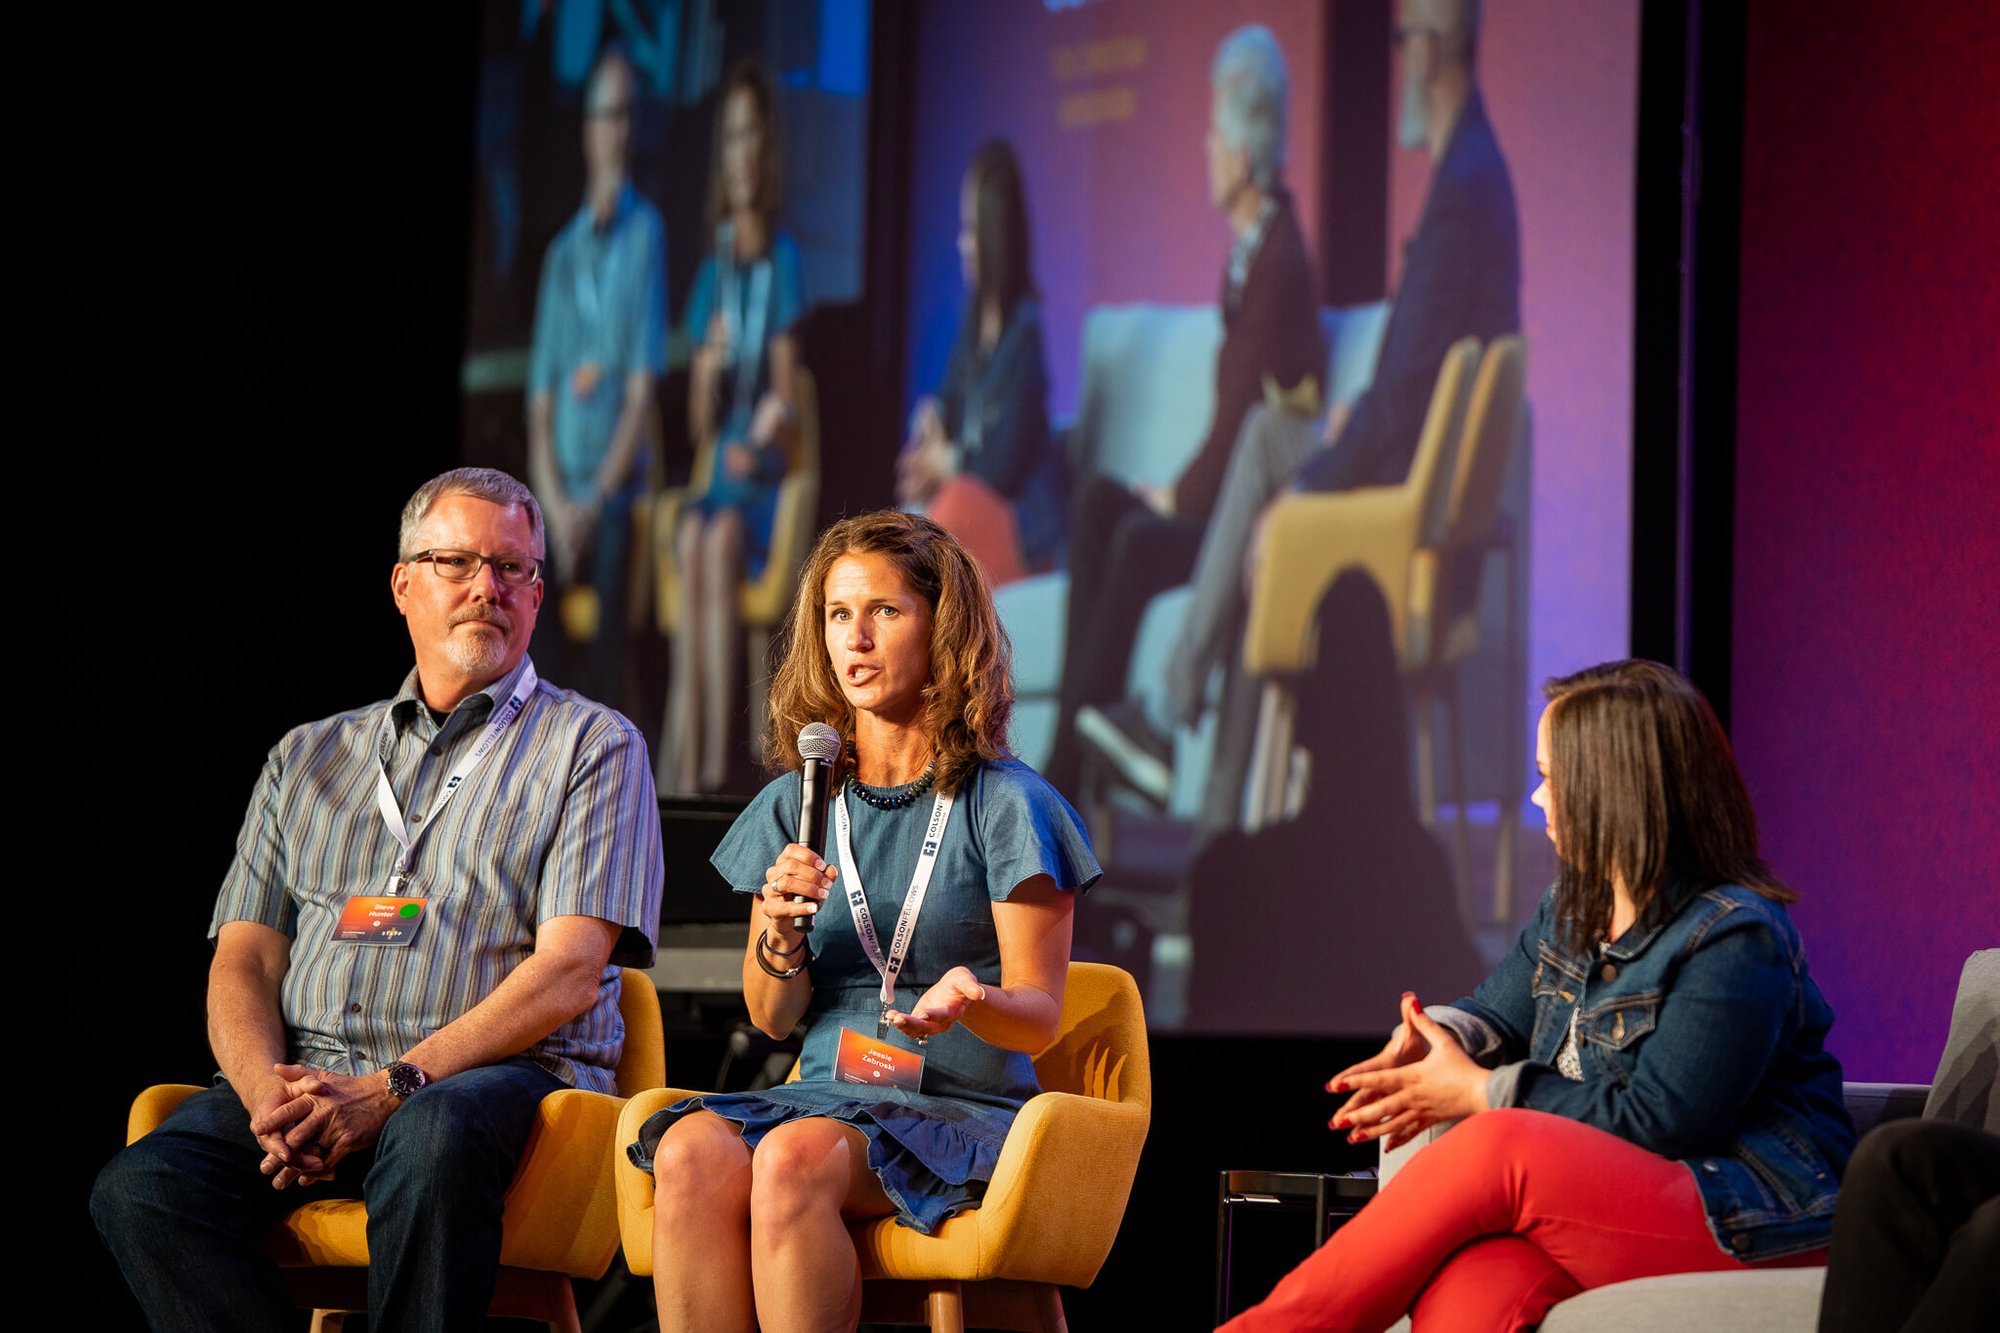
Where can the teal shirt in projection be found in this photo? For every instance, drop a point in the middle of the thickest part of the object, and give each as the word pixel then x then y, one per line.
pixel 933 1149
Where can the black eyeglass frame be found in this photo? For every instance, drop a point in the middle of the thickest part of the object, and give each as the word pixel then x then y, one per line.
pixel 479 561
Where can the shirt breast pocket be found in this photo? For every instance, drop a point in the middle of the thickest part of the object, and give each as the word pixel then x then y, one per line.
pixel 491 852
pixel 1622 1025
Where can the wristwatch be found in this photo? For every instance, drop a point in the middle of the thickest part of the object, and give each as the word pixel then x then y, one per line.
pixel 405 1078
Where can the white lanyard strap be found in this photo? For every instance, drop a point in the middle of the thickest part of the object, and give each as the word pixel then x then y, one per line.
pixel 385 795
pixel 913 901
pixel 756 313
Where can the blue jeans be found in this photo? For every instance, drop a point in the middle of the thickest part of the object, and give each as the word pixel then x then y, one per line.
pixel 183 1208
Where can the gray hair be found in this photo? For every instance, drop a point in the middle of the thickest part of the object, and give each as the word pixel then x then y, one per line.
pixel 1251 87
pixel 481 483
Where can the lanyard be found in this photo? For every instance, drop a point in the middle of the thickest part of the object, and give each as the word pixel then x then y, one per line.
pixel 755 313
pixel 913 901
pixel 591 274
pixel 385 795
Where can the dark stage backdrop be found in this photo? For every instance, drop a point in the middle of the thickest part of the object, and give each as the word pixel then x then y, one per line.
pixel 1867 588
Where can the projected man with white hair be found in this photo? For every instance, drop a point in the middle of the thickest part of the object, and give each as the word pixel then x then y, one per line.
pixel 1127 543
pixel 1461 276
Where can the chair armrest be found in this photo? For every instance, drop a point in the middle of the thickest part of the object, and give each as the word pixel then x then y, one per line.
pixel 1059 1190
pixel 153 1105
pixel 634 1187
pixel 560 1214
pixel 1050 1212
pixel 766 601
pixel 1872 1104
pixel 667 507
pixel 1309 539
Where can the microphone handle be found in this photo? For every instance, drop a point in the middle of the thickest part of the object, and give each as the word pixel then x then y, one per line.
pixel 815 794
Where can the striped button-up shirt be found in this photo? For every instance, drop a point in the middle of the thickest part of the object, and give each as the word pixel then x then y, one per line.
pixel 559 820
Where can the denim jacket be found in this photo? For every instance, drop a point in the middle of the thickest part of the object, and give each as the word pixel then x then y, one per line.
pixel 1702 1039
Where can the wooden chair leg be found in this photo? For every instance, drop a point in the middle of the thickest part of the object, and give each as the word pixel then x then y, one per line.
pixel 944 1308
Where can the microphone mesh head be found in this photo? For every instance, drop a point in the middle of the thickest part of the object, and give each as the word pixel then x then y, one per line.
pixel 819 741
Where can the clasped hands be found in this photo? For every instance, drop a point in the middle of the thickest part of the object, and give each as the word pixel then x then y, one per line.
pixel 310 1119
pixel 1421 1077
pixel 798 872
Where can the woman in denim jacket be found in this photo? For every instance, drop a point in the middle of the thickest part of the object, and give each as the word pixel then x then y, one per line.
pixel 1645 1072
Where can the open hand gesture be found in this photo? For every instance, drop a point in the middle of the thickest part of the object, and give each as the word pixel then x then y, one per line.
pixel 941 1006
pixel 1421 1077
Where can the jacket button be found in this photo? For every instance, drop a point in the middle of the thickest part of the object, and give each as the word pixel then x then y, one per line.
pixel 1709 1167
pixel 1609 972
pixel 1739 1243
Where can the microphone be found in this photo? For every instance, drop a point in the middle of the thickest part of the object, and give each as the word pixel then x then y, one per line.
pixel 819 748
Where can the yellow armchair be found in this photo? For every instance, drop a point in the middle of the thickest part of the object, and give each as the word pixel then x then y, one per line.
pixel 1052 1209
pixel 1309 539
pixel 580 610
pixel 561 1216
pixel 1424 543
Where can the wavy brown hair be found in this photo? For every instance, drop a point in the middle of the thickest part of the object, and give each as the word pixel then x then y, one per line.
pixel 971 693
pixel 749 76
pixel 1644 787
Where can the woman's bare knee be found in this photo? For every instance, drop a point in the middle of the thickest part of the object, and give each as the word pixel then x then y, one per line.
pixel 701 1168
pixel 803 1169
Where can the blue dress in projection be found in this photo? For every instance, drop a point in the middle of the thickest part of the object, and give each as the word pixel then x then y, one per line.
pixel 762 298
pixel 934 1149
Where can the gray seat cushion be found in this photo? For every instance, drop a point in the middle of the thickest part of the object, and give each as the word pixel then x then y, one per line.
pixel 1781 1300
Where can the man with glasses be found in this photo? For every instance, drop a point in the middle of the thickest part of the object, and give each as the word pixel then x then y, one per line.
pixel 412 949
pixel 600 340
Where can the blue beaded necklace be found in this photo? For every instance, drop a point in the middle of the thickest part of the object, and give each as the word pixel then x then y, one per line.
pixel 895 798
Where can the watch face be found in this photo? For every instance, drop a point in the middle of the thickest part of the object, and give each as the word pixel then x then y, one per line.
pixel 405 1079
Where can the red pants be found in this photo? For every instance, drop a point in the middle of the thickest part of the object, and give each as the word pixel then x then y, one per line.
pixel 1494 1223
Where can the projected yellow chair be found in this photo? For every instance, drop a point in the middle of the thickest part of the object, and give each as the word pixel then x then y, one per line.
pixel 580 608
pixel 561 1217
pixel 767 598
pixel 1442 629
pixel 1055 1201
pixel 1308 541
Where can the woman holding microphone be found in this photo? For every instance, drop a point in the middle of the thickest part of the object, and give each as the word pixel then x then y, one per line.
pixel 936 955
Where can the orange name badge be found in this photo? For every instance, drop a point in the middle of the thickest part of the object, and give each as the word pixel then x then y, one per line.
pixel 876 1063
pixel 387 921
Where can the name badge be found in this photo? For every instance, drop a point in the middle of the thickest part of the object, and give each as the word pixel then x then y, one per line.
pixel 863 1059
pixel 393 922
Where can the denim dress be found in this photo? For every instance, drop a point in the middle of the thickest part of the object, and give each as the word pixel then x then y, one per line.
pixel 935 1148
pixel 1702 1037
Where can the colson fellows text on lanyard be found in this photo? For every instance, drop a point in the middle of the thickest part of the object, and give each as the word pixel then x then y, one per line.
pixel 394 919
pixel 862 1059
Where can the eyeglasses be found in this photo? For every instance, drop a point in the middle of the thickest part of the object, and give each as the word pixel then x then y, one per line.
pixel 516 571
pixel 1408 30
